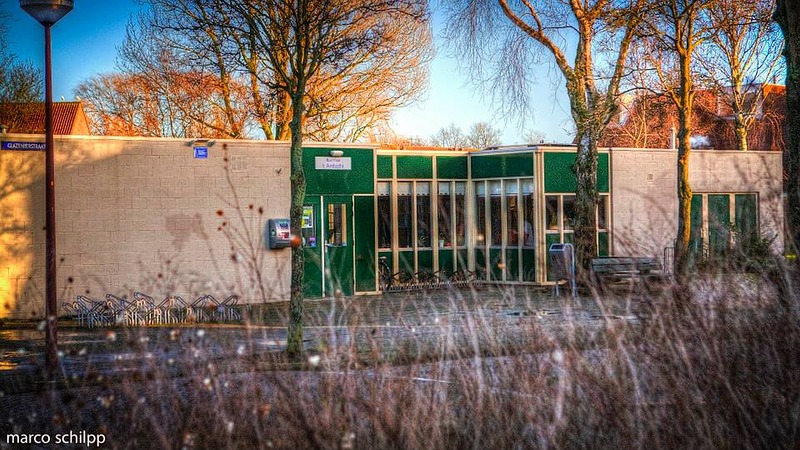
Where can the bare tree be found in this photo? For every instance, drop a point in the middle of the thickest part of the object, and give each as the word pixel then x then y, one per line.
pixel 300 41
pixel 787 14
pixel 135 105
pixel 673 32
pixel 483 135
pixel 534 136
pixel 20 82
pixel 205 39
pixel 501 40
pixel 450 136
pixel 742 55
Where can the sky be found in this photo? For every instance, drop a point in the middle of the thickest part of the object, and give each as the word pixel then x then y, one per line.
pixel 85 41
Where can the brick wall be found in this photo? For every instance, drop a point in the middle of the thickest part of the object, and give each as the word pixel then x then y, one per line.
pixel 144 214
pixel 644 193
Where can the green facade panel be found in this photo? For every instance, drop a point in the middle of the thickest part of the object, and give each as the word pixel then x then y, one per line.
pixel 359 179
pixel 501 166
pixel 452 167
pixel 746 220
pixel 414 167
pixel 385 166
pixel 559 173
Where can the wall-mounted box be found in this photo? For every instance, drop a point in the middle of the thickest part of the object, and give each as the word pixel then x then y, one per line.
pixel 278 233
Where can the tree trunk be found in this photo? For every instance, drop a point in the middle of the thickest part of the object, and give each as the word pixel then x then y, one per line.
pixel 298 187
pixel 585 203
pixel 787 14
pixel 684 204
pixel 741 132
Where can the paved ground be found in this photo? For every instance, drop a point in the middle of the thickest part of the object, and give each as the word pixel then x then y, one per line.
pixel 409 322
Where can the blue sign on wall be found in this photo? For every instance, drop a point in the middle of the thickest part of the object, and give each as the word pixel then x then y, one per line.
pixel 201 152
pixel 24 146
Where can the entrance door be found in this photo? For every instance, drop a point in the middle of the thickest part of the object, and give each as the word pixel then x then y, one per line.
pixel 337 212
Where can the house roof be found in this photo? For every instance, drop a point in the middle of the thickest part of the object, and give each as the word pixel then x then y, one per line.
pixel 68 118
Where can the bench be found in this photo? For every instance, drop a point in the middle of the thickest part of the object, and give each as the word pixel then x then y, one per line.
pixel 615 268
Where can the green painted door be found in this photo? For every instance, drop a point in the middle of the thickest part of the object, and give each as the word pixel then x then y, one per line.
pixel 364 243
pixel 719 224
pixel 337 211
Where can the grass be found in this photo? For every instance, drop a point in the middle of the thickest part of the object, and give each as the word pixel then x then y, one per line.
pixel 460 371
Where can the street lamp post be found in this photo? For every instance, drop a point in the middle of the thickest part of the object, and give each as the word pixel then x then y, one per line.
pixel 47 13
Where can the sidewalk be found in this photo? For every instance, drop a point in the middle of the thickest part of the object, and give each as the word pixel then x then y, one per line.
pixel 384 323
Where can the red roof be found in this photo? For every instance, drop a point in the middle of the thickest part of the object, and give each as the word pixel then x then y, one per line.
pixel 28 118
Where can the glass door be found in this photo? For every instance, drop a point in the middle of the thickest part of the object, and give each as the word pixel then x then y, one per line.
pixel 338 245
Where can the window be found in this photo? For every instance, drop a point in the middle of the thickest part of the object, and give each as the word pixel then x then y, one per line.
pixel 528 219
pixel 460 208
pixel 444 219
pixel 384 214
pixel 512 213
pixel 404 215
pixel 568 211
pixel 423 213
pixel 480 211
pixel 337 224
pixel 496 217
pixel 551 212
pixel 602 213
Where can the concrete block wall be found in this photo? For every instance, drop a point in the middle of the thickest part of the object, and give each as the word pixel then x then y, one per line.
pixel 139 214
pixel 644 193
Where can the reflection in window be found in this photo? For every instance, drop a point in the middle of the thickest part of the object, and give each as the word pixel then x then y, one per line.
pixel 527 205
pixel 384 214
pixel 460 196
pixel 423 214
pixel 445 203
pixel 480 211
pixel 496 213
pixel 512 213
pixel 602 213
pixel 337 224
pixel 569 212
pixel 551 212
pixel 404 215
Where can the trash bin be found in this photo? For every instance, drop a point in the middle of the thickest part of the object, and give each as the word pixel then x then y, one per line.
pixel 562 263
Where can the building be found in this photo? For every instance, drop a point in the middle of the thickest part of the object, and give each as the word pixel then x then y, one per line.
pixel 69 118
pixel 646 121
pixel 174 216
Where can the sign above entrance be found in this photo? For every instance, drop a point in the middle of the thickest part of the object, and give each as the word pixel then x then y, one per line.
pixel 23 146
pixel 328 163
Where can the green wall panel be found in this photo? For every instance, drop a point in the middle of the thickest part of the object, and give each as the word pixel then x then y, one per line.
pixel 454 167
pixel 495 267
pixel 359 180
pixel 602 243
pixel 746 217
pixel 425 260
pixel 512 265
pixel 405 261
pixel 414 166
pixel 385 169
pixel 528 264
pixel 498 166
pixel 446 261
pixel 559 174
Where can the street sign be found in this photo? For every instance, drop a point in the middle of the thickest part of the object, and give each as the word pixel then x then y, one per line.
pixel 24 146
pixel 201 152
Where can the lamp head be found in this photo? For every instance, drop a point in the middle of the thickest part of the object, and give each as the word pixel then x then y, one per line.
pixel 47 12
